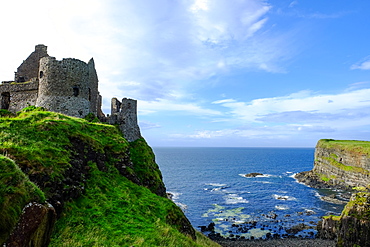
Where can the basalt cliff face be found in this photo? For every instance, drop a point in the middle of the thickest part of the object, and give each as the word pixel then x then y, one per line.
pixel 343 166
pixel 339 164
pixel 352 227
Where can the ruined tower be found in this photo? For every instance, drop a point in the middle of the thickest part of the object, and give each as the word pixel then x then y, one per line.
pixel 124 114
pixel 69 86
pixel 30 67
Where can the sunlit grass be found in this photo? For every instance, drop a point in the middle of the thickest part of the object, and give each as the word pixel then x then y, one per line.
pixel 112 211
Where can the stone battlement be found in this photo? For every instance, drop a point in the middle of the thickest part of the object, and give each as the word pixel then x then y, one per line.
pixel 68 86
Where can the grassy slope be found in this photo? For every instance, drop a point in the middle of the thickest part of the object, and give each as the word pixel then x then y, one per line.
pixel 113 211
pixel 16 190
pixel 362 147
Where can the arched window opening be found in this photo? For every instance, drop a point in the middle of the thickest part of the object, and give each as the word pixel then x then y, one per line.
pixel 5 100
pixel 41 74
pixel 89 94
pixel 76 91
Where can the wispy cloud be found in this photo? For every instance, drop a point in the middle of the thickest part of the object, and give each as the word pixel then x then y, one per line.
pixel 292 4
pixel 302 106
pixel 149 50
pixel 145 125
pixel 164 105
pixel 364 65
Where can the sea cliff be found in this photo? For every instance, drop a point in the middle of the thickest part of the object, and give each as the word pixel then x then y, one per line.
pixel 66 181
pixel 343 166
pixel 339 164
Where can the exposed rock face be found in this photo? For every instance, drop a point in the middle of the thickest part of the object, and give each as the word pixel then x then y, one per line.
pixel 352 228
pixel 35 226
pixel 343 165
pixel 339 164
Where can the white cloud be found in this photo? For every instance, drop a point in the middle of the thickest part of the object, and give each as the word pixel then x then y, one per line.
pixel 363 65
pixel 162 45
pixel 304 101
pixel 145 125
pixel 292 4
pixel 150 107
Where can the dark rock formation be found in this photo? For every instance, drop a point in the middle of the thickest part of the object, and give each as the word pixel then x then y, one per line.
pixel 35 226
pixel 339 165
pixel 253 174
pixel 352 227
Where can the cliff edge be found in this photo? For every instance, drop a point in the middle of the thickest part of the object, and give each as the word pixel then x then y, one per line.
pixel 67 181
pixel 340 165
pixel 344 166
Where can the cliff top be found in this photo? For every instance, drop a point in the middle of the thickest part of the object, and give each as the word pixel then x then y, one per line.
pixel 353 146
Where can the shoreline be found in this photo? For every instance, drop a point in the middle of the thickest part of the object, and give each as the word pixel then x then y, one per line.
pixel 289 242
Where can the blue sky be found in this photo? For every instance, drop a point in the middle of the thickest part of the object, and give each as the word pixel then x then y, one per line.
pixel 247 73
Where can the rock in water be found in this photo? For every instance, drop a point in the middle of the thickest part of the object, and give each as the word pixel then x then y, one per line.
pixel 253 174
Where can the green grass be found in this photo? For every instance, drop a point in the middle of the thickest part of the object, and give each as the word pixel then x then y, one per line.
pixel 16 190
pixel 116 212
pixel 112 211
pixel 36 137
pixel 362 147
pixel 145 167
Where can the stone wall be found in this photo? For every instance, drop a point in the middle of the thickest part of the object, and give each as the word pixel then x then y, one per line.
pixel 30 67
pixel 69 86
pixel 16 96
pixel 124 114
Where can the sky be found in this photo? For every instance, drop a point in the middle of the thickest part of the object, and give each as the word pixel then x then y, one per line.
pixel 212 73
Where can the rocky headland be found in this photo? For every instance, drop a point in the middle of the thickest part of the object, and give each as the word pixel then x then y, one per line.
pixel 343 166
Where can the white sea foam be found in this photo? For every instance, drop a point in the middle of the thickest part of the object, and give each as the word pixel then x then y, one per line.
pixel 175 196
pixel 216 184
pixel 281 207
pixel 309 211
pixel 258 176
pixel 235 199
pixel 263 182
pixel 283 198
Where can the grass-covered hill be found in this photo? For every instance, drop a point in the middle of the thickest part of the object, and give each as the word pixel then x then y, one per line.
pixel 104 190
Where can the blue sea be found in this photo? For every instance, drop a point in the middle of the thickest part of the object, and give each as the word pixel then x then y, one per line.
pixel 210 186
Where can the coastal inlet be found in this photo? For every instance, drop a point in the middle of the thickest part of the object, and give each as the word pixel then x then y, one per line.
pixel 246 193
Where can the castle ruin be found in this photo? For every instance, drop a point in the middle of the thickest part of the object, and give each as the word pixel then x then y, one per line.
pixel 69 86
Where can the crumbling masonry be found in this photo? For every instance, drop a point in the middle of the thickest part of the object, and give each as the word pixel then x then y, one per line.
pixel 69 86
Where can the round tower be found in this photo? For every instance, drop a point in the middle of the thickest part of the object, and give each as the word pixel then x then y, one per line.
pixel 68 86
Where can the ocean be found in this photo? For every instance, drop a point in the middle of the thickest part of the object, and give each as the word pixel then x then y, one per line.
pixel 210 186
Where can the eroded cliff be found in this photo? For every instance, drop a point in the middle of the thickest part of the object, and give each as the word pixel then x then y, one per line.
pixel 344 166
pixel 339 164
